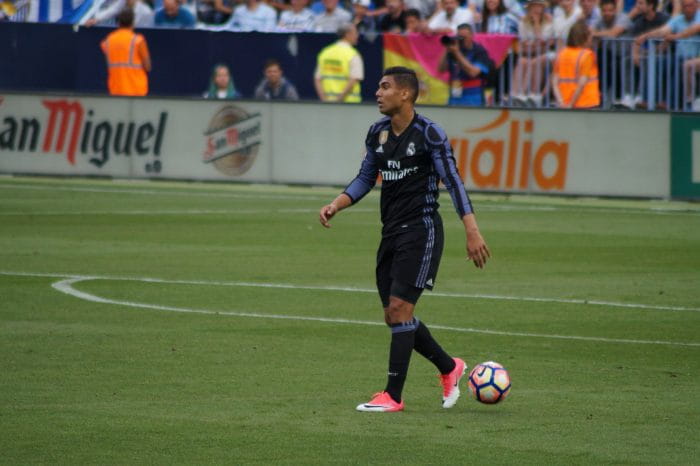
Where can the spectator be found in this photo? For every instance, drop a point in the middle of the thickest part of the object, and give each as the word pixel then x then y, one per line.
pixel 647 19
pixel 565 15
pixel 395 18
pixel 332 18
pixel 468 65
pixel 214 11
pixel 536 34
pixel 143 14
pixel 611 24
pixel 221 84
pixel 496 19
pixel 362 20
pixel 590 12
pixel 297 18
pixel 414 22
pixel 339 69
pixel 426 8
pixel 172 15
pixel 128 60
pixel 513 7
pixel 446 20
pixel 253 15
pixel 575 76
pixel 679 29
pixel 274 86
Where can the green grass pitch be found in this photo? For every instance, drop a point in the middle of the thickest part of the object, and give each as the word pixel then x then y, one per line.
pixel 259 331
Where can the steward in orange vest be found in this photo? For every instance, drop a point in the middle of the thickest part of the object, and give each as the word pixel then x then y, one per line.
pixel 127 58
pixel 575 77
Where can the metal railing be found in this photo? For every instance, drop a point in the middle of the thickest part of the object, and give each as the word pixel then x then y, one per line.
pixel 656 75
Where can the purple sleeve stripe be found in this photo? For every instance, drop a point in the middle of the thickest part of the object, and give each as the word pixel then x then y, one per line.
pixel 450 177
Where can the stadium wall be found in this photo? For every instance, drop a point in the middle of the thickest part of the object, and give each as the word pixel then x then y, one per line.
pixel 526 151
pixel 40 57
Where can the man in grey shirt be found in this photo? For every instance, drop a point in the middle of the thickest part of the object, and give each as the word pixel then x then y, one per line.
pixel 332 18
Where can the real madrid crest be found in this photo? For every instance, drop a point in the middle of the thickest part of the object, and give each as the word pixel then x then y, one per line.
pixel 383 136
pixel 411 149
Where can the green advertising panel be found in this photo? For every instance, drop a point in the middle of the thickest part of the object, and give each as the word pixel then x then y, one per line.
pixel 685 156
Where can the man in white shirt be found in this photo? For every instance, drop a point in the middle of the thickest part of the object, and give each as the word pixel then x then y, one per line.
pixel 449 17
pixel 253 15
pixel 143 14
pixel 332 18
pixel 298 18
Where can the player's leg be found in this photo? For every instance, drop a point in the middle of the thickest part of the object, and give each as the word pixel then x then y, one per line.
pixel 401 336
pixel 424 257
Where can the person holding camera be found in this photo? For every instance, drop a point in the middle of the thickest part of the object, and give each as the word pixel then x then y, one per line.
pixel 468 64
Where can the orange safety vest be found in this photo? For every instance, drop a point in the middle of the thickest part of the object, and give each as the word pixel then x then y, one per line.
pixel 126 75
pixel 572 63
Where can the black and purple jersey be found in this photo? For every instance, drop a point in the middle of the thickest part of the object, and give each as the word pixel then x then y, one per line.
pixel 411 166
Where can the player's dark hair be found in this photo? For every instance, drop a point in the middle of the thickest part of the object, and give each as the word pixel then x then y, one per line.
pixel 607 2
pixel 404 77
pixel 653 3
pixel 125 18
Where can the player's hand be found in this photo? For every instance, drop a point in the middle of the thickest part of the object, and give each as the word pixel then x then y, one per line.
pixel 327 212
pixel 477 250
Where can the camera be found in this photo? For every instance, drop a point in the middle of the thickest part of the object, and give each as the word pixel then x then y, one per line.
pixel 448 40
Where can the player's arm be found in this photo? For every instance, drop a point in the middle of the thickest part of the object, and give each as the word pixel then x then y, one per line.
pixel 356 190
pixel 444 162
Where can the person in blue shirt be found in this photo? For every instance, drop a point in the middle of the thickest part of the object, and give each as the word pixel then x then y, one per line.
pixel 468 64
pixel 172 15
pixel 684 30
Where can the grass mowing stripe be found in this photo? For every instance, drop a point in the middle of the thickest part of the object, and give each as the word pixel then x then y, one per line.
pixel 593 302
pixel 490 205
pixel 179 212
pixel 66 286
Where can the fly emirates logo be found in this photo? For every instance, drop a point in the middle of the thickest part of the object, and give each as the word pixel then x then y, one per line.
pixel 501 155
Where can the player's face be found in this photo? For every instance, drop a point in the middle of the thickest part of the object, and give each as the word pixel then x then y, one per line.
pixel 390 97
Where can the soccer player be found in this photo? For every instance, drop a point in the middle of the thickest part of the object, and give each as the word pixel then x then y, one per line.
pixel 412 154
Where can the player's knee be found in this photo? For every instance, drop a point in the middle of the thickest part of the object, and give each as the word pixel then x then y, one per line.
pixel 398 311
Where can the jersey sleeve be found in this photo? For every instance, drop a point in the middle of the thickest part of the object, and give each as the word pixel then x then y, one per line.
pixel 366 178
pixel 444 162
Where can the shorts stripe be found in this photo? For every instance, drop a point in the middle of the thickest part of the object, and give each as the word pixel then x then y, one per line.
pixel 428 255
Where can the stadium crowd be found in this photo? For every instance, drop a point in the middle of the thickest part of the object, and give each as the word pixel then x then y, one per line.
pixel 639 46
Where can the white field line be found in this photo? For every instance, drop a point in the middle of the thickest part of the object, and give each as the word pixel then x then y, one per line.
pixel 650 307
pixel 300 197
pixel 66 286
pixel 165 192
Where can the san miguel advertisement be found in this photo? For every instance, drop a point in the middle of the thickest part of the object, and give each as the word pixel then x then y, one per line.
pixel 142 138
pixel 554 152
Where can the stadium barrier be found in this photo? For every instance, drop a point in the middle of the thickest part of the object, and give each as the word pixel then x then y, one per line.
pixel 662 77
pixel 653 155
pixel 55 58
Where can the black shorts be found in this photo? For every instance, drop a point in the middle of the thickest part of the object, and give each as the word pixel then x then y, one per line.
pixel 411 258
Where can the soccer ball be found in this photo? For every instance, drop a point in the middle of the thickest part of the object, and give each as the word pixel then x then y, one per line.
pixel 489 382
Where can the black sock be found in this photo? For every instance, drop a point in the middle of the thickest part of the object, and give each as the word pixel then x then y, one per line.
pixel 426 346
pixel 402 339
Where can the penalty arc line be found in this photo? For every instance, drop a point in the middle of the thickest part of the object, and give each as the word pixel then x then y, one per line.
pixel 535 299
pixel 66 286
